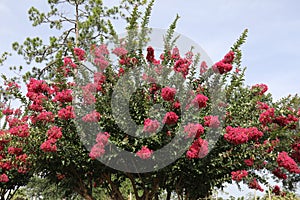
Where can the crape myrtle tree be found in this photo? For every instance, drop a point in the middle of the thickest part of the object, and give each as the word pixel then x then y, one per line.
pixel 255 134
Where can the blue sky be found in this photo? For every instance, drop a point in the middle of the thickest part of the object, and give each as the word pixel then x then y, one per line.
pixel 271 52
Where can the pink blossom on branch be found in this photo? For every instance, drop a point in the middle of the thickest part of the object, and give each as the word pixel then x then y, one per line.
pixel 200 101
pixel 150 126
pixel 239 175
pixel 120 51
pixel 199 149
pixel 285 161
pixel 144 153
pixel 212 121
pixel 66 113
pixel 255 185
pixel 170 118
pixel 168 93
pixel 94 116
pixel 4 178
pixel 80 53
pixel 193 130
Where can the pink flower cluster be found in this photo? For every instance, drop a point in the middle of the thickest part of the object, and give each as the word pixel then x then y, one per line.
pixel 203 67
pixel 63 96
pixel 296 151
pixel 249 162
pixel 150 126
pixel 99 80
pixel 276 190
pixel 225 65
pixel 267 116
pixel 36 90
pixel 279 174
pixel 150 54
pixel 87 93
pixel 168 93
pixel 241 135
pixel 144 153
pixel 44 116
pixel 182 66
pixel 254 185
pixel 262 88
pixel 53 134
pixel 14 150
pixel 120 51
pixel 239 175
pixel 94 116
pixel 283 121
pixel 285 161
pixel 170 118
pixel 193 130
pixel 80 53
pixel 100 56
pixel 199 149
pixel 20 131
pixel 4 178
pixel 98 149
pixel 66 113
pixel 211 121
pixel 200 101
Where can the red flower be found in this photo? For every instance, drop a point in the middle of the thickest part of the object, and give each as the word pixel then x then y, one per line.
pixel 228 58
pixel 99 80
pixel 199 149
pixel 267 116
pixel 20 131
pixel 200 101
pixel 262 106
pixel 176 105
pixel 170 118
pixel 279 174
pixel 49 146
pixel 285 161
pixel 254 185
pixel 168 93
pixel 63 96
pixel 236 135
pixel 150 126
pixel 260 89
pixel 120 51
pixel 14 150
pixel 221 67
pixel 97 151
pixel 3 178
pixel 193 130
pixel 45 117
pixel 276 190
pixel 144 153
pixel 249 162
pixel 79 53
pixel 94 116
pixel 211 121
pixel 182 66
pixel 101 62
pixel 253 133
pixel 150 54
pixel 102 138
pixel 239 175
pixel 203 67
pixel 66 113
pixel 54 132
pixel 175 53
